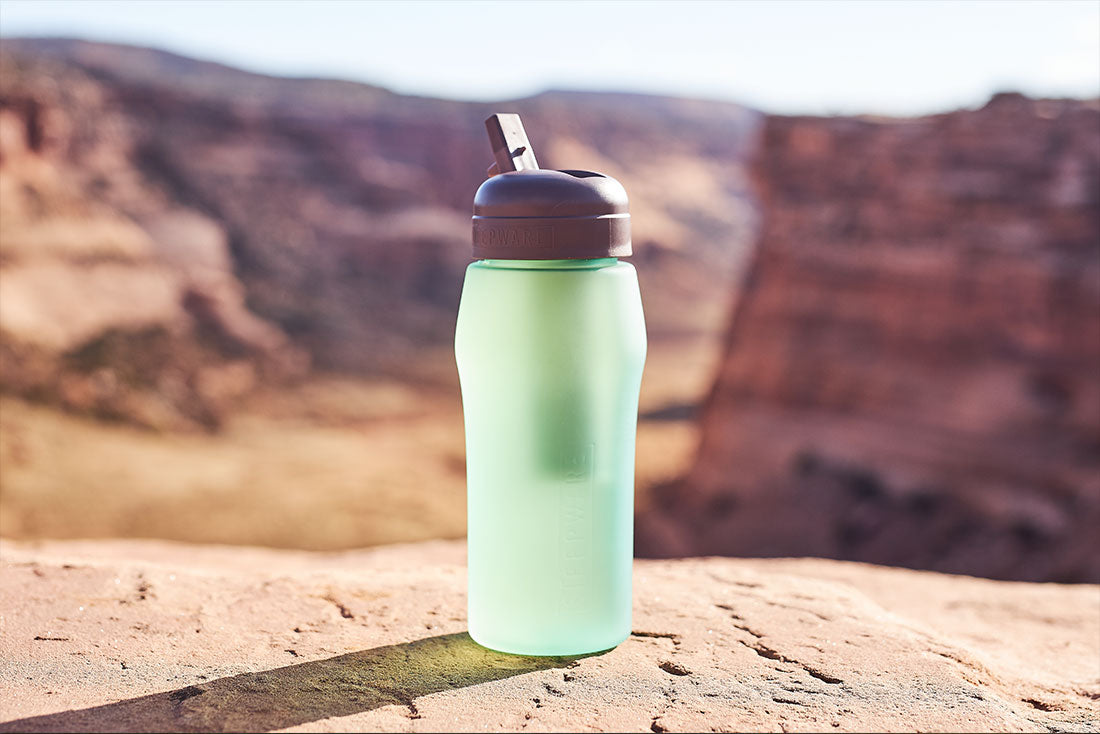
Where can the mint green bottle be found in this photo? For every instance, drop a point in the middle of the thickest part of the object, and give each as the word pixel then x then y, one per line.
pixel 550 346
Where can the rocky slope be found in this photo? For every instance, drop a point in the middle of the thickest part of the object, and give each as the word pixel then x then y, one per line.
pixel 117 300
pixel 911 374
pixel 147 193
pixel 117 636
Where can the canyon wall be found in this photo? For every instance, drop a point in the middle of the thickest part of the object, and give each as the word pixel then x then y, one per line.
pixel 227 296
pixel 117 301
pixel 344 209
pixel 912 374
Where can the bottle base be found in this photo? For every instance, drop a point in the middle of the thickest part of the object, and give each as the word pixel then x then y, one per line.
pixel 554 651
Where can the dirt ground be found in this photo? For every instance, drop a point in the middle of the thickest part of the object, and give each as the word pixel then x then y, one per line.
pixel 333 463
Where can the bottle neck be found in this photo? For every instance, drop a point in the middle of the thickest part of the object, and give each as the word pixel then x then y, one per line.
pixel 590 264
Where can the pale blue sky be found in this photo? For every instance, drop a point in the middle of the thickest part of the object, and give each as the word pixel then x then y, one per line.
pixel 818 57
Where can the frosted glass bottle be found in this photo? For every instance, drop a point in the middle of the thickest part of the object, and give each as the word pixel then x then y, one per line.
pixel 550 356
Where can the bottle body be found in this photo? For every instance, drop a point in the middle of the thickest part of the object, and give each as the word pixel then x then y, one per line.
pixel 550 357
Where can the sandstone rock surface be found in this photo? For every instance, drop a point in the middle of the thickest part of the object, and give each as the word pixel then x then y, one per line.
pixel 139 635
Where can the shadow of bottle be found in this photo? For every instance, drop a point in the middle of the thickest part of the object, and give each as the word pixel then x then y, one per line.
pixel 298 694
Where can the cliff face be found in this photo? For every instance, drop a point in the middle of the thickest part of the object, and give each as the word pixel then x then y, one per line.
pixel 117 300
pixel 343 209
pixel 910 376
pixel 181 241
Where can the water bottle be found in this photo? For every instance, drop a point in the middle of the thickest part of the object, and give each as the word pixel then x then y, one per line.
pixel 550 346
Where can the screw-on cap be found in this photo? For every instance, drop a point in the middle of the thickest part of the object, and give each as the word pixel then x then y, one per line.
pixel 528 213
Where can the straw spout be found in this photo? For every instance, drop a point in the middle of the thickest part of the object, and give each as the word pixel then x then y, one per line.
pixel 511 149
pixel 532 213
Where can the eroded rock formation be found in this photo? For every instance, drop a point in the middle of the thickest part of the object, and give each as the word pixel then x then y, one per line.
pixel 911 375
pixel 116 300
pixel 345 208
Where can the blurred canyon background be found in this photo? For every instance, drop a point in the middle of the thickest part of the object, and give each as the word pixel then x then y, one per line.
pixel 227 305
